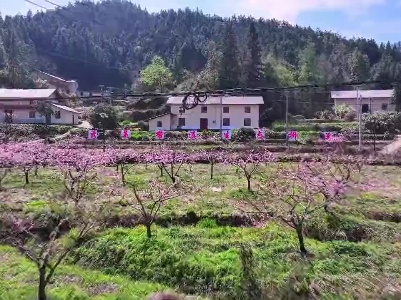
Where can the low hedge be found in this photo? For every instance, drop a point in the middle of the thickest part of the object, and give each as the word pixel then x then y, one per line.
pixel 320 121
pixel 41 130
pixel 315 126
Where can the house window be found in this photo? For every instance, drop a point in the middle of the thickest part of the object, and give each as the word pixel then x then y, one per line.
pixel 365 108
pixel 384 106
pixel 57 114
pixel 181 122
pixel 32 114
pixel 247 122
pixel 226 121
pixel 247 109
pixel 159 124
pixel 226 110
pixel 204 109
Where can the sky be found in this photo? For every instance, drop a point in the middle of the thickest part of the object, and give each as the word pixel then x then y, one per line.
pixel 377 19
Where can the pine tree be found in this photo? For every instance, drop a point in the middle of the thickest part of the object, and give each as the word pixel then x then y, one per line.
pixel 254 64
pixel 229 72
pixel 359 66
pixel 397 87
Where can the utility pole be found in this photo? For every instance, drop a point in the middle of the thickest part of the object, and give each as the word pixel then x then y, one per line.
pixel 221 116
pixel 359 107
pixel 286 118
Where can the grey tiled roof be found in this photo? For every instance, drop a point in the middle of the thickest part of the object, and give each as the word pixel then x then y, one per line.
pixel 362 93
pixel 231 100
pixel 28 93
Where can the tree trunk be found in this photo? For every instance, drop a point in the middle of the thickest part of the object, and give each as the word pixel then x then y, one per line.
pixel 211 170
pixel 161 171
pixel 122 175
pixel 148 230
pixel 117 168
pixel 248 179
pixel 26 177
pixel 42 284
pixel 301 239
pixel 36 171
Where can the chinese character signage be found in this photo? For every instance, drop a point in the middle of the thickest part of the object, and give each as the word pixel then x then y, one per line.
pixel 292 135
pixel 159 134
pixel 327 136
pixel 192 135
pixel 332 137
pixel 125 134
pixel 226 135
pixel 260 134
pixel 92 134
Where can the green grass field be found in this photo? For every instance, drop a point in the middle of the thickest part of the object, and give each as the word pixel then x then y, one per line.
pixel 355 255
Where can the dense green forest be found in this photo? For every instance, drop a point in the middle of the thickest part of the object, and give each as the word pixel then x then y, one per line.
pixel 110 42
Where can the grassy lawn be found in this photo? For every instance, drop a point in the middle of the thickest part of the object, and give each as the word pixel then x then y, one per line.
pixel 354 256
pixel 206 259
pixel 18 279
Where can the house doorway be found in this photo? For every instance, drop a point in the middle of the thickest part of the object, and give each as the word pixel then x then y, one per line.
pixel 365 108
pixel 48 118
pixel 8 116
pixel 204 124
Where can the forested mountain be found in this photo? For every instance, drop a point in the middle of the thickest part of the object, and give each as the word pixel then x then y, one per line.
pixel 110 42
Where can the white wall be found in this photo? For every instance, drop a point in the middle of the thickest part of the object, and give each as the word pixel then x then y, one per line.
pixel 375 103
pixel 236 115
pixel 66 117
pixel 166 123
pixel 21 116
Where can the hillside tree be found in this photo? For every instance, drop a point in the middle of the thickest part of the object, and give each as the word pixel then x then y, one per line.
pixel 253 66
pixel 229 72
pixel 359 66
pixel 157 76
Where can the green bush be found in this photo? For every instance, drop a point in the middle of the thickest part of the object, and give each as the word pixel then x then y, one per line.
pixel 143 125
pixel 326 115
pixel 126 123
pixel 176 135
pixel 382 122
pixel 342 110
pixel 243 135
pixel 314 126
pixel 104 116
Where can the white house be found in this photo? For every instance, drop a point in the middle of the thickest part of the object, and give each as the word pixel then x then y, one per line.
pixel 216 113
pixel 18 106
pixel 371 100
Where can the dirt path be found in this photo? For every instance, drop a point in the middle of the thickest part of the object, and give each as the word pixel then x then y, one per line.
pixel 393 147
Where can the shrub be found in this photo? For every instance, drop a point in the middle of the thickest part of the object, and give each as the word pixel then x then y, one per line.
pixel 382 122
pixel 143 125
pixel 314 126
pixel 325 115
pixel 126 123
pixel 350 116
pixel 342 110
pixel 176 135
pixel 243 135
pixel 104 116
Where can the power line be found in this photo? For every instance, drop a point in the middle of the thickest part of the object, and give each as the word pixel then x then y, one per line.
pixel 38 5
pixel 226 92
pixel 65 8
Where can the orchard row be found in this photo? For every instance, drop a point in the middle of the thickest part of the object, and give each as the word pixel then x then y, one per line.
pixel 260 134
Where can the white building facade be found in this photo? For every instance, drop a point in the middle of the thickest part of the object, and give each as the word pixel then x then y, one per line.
pixel 370 100
pixel 216 113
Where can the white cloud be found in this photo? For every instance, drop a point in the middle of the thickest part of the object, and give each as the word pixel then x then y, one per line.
pixel 289 10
